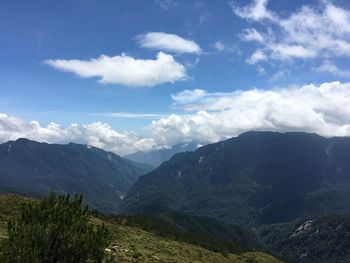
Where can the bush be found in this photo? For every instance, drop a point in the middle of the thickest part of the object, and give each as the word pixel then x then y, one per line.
pixel 56 229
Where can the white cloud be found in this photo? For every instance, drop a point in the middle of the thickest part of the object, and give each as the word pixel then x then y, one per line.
pixel 310 32
pixel 330 67
pixel 292 51
pixel 224 47
pixel 97 134
pixel 219 46
pixel 251 34
pixel 166 4
pixel 168 42
pixel 125 70
pixel 323 109
pixel 256 57
pixel 188 96
pixel 256 11
pixel 130 115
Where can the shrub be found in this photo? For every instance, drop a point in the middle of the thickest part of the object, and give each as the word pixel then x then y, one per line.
pixel 57 229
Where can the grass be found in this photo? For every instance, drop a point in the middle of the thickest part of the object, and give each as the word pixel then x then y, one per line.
pixel 132 244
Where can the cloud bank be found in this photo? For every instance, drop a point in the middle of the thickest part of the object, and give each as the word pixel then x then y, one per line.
pixel 209 117
pixel 168 42
pixel 125 70
pixel 323 109
pixel 96 134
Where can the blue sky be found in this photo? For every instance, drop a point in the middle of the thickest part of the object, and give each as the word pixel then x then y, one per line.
pixel 136 75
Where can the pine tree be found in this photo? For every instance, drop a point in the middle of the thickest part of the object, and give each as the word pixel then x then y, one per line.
pixel 56 229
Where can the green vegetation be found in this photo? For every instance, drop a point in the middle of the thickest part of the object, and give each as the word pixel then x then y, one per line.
pixel 9 209
pixel 317 239
pixel 132 243
pixel 57 229
pixel 166 230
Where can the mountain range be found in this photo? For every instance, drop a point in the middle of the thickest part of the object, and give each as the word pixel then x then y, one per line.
pixel 285 193
pixel 32 168
pixel 254 179
pixel 292 189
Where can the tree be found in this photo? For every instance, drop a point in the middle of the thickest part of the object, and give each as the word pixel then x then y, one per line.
pixel 56 229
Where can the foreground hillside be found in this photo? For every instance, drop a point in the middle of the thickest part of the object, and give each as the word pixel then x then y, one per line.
pixel 132 244
pixel 32 168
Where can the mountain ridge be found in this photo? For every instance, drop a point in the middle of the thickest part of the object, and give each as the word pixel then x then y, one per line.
pixel 34 168
pixel 255 174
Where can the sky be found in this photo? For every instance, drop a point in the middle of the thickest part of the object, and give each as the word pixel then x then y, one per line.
pixel 133 75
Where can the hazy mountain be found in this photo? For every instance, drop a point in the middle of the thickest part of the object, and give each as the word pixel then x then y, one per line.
pixel 156 157
pixel 32 168
pixel 257 178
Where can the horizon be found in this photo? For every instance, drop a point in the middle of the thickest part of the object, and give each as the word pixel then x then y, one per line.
pixel 179 143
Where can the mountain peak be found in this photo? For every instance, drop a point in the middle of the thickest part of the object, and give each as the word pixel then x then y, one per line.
pixel 273 133
pixel 255 175
pixel 23 140
pixel 33 168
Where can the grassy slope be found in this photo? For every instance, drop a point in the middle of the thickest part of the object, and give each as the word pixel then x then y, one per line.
pixel 131 244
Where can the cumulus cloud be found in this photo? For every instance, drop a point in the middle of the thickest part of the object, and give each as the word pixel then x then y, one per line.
pixel 125 70
pixel 323 109
pixel 209 117
pixel 310 32
pixel 96 134
pixel 168 42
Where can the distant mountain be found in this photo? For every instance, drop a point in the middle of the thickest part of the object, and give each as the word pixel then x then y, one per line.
pixel 156 157
pixel 31 168
pixel 257 178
